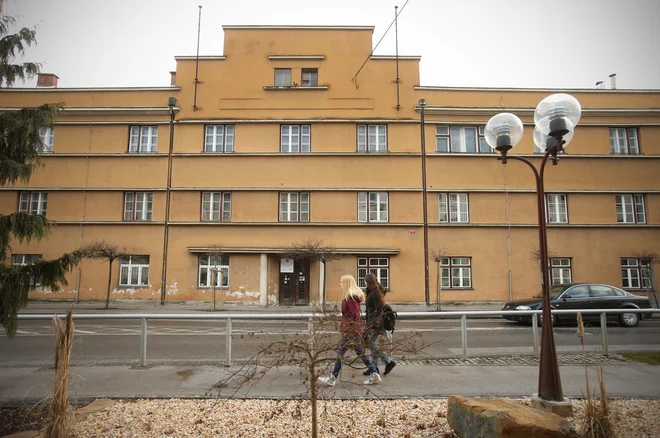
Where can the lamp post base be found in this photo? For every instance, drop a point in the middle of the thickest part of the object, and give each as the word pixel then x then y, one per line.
pixel 562 408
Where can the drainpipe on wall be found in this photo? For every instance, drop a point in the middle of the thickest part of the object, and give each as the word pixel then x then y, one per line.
pixel 163 284
pixel 427 295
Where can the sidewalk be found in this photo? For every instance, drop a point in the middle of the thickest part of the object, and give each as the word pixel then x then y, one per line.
pixel 406 380
pixel 145 306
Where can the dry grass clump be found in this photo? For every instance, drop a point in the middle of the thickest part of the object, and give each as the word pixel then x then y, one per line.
pixel 595 421
pixel 60 415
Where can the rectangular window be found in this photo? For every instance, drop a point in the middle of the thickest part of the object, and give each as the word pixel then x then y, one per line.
pixel 379 266
pixel 26 260
pixel 456 272
pixel 138 206
pixel 310 77
pixel 143 139
pixel 560 270
pixel 46 135
pixel 453 208
pixel 134 270
pixel 461 139
pixel 282 77
pixel 630 209
pixel 557 212
pixel 373 207
pixel 295 138
pixel 219 138
pixel 33 203
pixel 635 274
pixel 372 138
pixel 294 207
pixel 210 268
pixel 216 206
pixel 624 141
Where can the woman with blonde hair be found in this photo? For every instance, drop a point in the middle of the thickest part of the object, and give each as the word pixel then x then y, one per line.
pixel 351 331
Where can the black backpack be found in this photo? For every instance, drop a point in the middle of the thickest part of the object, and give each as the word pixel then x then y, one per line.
pixel 389 318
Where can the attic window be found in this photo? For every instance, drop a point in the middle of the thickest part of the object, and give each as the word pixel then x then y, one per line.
pixel 282 77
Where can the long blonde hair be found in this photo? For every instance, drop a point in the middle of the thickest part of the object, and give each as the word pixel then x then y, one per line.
pixel 350 288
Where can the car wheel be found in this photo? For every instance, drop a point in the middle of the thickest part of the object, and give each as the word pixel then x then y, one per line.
pixel 553 320
pixel 629 319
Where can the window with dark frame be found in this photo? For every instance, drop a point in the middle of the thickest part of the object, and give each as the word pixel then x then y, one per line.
pixel 561 270
pixel 372 138
pixel 310 77
pixel 295 138
pixel 47 136
pixel 134 270
pixel 33 202
pixel 210 267
pixel 456 272
pixel 282 77
pixel 635 274
pixel 373 207
pixel 379 266
pixel 294 207
pixel 453 208
pixel 219 138
pixel 138 206
pixel 624 141
pixel 143 139
pixel 557 211
pixel 630 209
pixel 461 139
pixel 216 206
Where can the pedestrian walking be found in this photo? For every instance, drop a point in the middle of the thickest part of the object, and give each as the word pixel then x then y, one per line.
pixel 374 329
pixel 351 331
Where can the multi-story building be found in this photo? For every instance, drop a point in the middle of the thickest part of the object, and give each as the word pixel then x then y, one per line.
pixel 297 133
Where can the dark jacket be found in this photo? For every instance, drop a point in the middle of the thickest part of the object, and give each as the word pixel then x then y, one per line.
pixel 374 307
pixel 351 323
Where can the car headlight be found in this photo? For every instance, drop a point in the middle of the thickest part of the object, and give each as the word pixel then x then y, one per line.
pixel 523 308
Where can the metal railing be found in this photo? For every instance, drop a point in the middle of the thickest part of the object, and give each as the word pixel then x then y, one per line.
pixel 310 317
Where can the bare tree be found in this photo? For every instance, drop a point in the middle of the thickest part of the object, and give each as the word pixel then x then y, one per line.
pixel 103 250
pixel 215 254
pixel 647 259
pixel 310 249
pixel 535 256
pixel 312 351
pixel 437 255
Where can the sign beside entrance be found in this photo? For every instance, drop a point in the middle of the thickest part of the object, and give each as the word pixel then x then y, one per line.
pixel 286 265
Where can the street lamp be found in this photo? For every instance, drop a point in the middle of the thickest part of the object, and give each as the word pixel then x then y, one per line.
pixel 555 118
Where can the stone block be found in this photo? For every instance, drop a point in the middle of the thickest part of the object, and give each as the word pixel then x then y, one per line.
pixel 496 418
pixel 562 408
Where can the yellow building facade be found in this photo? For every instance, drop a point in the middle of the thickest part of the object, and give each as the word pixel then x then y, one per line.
pixel 278 141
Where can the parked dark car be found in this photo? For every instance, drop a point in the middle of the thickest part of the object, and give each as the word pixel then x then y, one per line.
pixel 576 296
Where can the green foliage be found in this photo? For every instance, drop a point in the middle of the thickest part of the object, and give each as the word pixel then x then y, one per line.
pixel 16 281
pixel 20 145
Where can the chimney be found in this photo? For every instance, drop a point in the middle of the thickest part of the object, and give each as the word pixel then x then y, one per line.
pixel 172 78
pixel 47 80
pixel 613 81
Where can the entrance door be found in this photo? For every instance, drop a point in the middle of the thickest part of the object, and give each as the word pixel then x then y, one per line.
pixel 294 286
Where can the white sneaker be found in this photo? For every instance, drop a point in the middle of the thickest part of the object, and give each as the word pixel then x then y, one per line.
pixel 373 379
pixel 329 381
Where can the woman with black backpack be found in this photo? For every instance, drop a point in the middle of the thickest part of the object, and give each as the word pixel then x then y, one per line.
pixel 375 303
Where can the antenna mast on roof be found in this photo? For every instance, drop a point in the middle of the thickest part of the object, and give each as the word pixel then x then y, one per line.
pixel 396 37
pixel 199 24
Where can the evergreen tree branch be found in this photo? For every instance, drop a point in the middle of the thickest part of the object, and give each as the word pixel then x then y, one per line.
pixel 23 227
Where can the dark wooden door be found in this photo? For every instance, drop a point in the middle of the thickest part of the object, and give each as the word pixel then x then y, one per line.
pixel 294 286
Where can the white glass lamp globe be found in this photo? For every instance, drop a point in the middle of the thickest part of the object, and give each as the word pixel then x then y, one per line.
pixel 503 131
pixel 543 141
pixel 557 114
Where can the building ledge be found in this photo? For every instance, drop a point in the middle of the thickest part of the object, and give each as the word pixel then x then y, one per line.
pixel 295 88
pixel 296 57
pixel 265 250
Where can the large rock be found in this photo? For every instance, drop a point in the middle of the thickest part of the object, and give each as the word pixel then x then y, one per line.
pixel 491 418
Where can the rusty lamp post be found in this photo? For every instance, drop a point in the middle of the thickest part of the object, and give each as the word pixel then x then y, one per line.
pixel 555 119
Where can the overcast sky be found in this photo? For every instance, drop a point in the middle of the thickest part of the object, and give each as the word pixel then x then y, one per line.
pixel 464 43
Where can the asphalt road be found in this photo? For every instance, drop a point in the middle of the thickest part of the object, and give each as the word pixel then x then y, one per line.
pixel 203 342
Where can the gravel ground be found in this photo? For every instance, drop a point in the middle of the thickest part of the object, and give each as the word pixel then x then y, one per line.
pixel 337 418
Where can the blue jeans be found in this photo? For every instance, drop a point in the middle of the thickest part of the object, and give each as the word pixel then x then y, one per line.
pixel 354 342
pixel 373 339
